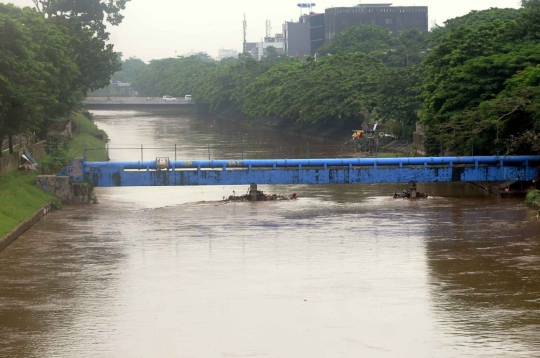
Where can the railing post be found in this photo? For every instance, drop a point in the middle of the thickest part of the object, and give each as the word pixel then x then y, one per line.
pixel 108 156
pixel 275 151
pixel 441 153
pixel 307 149
pixel 242 150
pixel 472 147
pixel 208 151
pixel 175 152
pixel 341 149
pixel 84 156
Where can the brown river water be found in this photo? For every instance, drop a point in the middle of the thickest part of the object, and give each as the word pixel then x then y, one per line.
pixel 344 271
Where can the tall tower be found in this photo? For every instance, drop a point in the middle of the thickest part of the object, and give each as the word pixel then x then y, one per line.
pixel 268 28
pixel 245 33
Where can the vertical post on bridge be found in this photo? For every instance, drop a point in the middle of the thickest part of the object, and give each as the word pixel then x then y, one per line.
pixel 108 156
pixel 142 157
pixel 472 147
pixel 341 149
pixel 441 153
pixel 175 152
pixel 84 156
pixel 275 151
pixel 242 150
pixel 307 149
pixel 208 151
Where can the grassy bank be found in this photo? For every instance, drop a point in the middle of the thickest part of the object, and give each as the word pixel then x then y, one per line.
pixel 20 199
pixel 87 135
pixel 19 196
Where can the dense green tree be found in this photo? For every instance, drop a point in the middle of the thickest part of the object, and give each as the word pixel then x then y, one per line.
pixel 22 80
pixel 481 84
pixel 90 13
pixel 47 65
pixel 364 39
pixel 473 20
pixel 130 68
pixel 224 87
pixel 172 76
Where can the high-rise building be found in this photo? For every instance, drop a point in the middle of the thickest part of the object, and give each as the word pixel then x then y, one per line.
pixel 316 32
pixel 393 18
pixel 296 36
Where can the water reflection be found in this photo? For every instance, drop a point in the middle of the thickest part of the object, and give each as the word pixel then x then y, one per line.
pixel 484 264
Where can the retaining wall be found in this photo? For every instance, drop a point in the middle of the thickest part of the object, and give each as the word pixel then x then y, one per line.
pixel 22 227
pixel 61 187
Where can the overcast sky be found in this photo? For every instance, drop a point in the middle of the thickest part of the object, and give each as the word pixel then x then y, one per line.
pixel 157 28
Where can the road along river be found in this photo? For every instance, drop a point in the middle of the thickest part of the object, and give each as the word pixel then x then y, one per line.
pixel 343 271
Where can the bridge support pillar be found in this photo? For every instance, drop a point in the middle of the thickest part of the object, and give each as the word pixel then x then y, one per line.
pixel 412 190
pixel 253 192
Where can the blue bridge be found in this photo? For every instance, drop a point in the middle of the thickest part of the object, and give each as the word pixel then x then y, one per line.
pixel 165 172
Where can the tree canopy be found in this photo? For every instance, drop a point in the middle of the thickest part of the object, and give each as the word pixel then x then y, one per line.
pixel 47 65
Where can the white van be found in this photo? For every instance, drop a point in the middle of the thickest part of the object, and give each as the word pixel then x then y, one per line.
pixel 188 97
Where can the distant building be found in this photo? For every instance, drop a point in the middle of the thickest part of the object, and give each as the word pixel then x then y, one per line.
pixel 261 48
pixel 393 18
pixel 296 38
pixel 225 53
pixel 316 32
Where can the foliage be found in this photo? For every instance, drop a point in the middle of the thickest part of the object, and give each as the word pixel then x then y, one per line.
pixel 54 162
pixel 88 13
pixel 481 85
pixel 49 60
pixel 364 39
pixel 472 20
pixel 130 68
pixel 533 196
pixel 56 142
pixel 171 76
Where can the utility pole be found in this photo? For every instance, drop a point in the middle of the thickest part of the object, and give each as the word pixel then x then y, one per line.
pixel 245 33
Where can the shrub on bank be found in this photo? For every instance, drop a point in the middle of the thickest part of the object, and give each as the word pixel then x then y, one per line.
pixel 533 197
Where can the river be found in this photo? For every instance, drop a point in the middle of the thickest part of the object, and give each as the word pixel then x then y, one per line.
pixel 343 271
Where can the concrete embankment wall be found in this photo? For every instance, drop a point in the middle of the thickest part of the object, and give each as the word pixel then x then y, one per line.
pixel 22 227
pixel 62 188
pixel 11 162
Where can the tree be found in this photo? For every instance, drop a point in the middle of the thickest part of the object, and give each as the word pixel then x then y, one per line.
pixel 481 85
pixel 89 13
pixel 22 80
pixel 364 39
pixel 130 68
pixel 473 19
pixel 172 76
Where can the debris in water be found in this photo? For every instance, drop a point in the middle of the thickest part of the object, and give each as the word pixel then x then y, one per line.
pixel 412 193
pixel 261 196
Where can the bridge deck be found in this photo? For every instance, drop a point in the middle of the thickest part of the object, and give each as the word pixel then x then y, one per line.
pixel 305 171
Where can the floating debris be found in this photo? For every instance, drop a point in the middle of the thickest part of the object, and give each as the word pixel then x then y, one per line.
pixel 259 195
pixel 412 193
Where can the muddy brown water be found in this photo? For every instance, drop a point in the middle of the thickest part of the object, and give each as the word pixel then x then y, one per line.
pixel 343 271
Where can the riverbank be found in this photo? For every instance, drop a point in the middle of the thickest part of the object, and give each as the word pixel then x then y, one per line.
pixel 22 200
pixel 533 200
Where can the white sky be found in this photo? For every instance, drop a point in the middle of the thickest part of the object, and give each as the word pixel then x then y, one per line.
pixel 157 28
